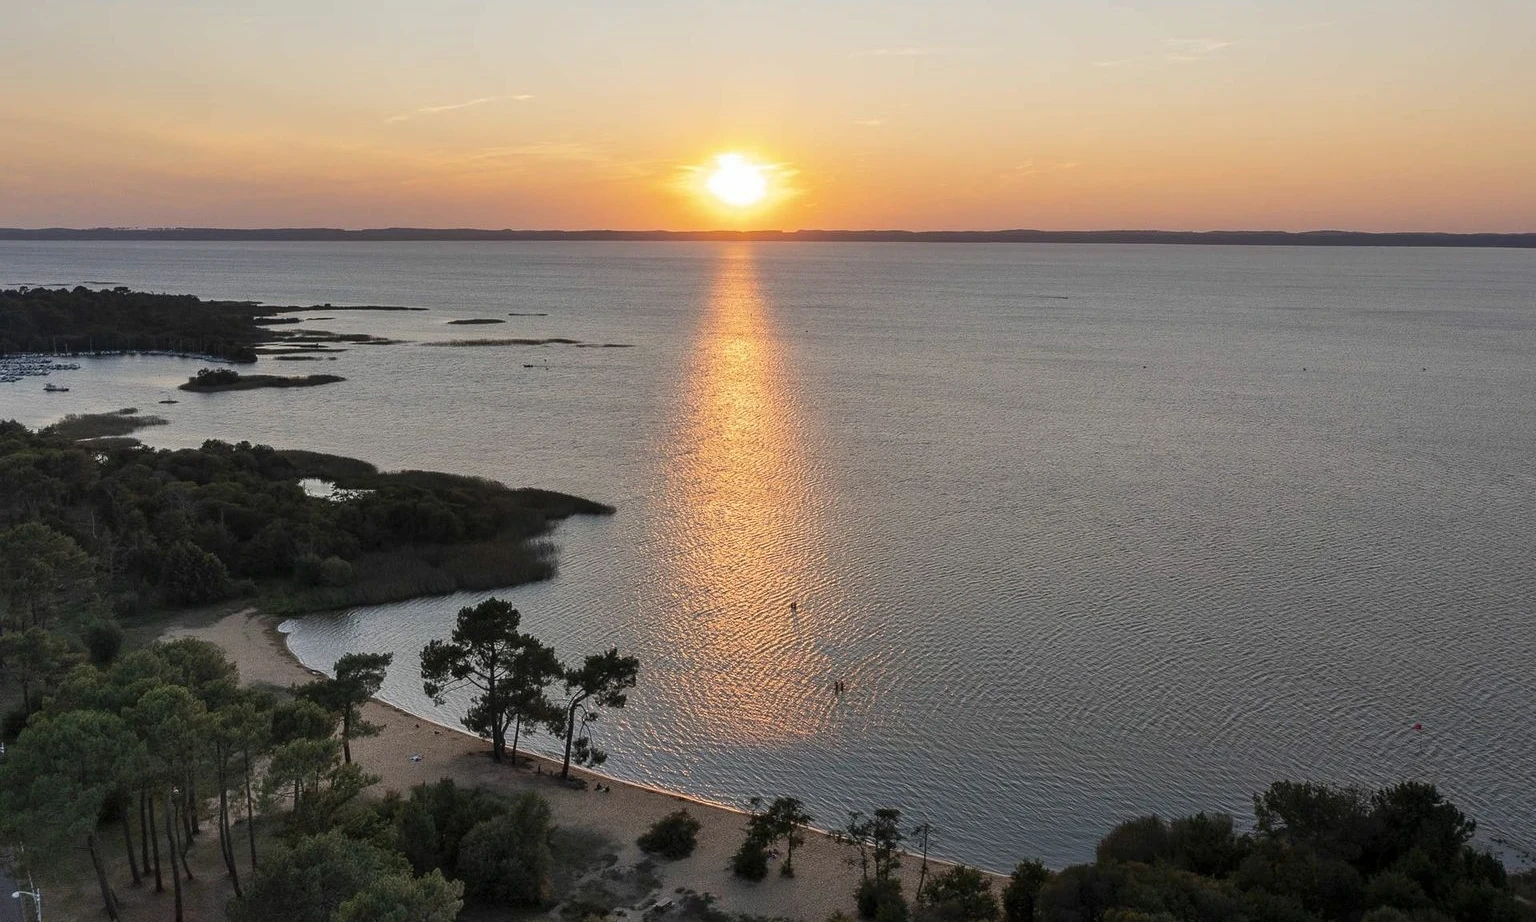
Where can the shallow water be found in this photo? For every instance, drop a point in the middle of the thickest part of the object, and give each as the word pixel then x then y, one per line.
pixel 1088 531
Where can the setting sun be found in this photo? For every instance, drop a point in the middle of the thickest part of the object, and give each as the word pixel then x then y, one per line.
pixel 737 181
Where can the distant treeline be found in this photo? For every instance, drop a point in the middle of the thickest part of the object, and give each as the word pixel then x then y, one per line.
pixel 80 319
pixel 57 320
pixel 1209 238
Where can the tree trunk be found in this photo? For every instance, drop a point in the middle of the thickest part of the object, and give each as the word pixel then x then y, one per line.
pixel 185 843
pixel 226 848
pixel 145 832
pixel 155 839
pixel 517 731
pixel 346 734
pixel 194 829
pixel 133 863
pixel 570 735
pixel 170 842
pixel 498 720
pixel 107 896
pixel 250 810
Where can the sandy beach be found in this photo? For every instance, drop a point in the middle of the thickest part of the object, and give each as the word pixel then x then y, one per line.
pixel 824 882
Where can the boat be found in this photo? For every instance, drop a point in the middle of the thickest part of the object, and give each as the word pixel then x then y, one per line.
pixel 54 388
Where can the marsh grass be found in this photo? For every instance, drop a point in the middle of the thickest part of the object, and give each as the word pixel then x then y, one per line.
pixel 81 426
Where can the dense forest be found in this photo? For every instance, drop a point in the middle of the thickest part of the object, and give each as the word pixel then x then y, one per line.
pixel 88 533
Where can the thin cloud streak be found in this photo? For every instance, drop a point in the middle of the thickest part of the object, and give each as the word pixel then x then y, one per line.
pixel 1175 51
pixel 1193 49
pixel 433 110
pixel 905 51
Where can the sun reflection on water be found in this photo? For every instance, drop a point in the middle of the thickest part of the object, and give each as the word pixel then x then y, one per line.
pixel 745 499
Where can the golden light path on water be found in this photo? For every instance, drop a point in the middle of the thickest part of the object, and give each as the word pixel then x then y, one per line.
pixel 746 502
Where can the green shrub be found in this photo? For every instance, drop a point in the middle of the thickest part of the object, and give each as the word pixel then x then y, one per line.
pixel 751 860
pixel 673 836
pixel 960 894
pixel 1144 839
pixel 192 576
pixel 1023 891
pixel 506 860
pixel 873 895
pixel 103 641
pixel 310 881
pixel 1205 844
pixel 213 377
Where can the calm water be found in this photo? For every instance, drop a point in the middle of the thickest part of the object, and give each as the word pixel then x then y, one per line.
pixel 1088 531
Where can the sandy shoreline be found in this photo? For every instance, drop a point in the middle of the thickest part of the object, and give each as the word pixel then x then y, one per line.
pixel 825 879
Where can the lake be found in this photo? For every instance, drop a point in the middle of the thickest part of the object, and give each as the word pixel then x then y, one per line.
pixel 1087 531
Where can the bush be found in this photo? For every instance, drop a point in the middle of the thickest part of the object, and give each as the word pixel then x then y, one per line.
pixel 310 881
pixel 212 377
pixel 103 641
pixel 127 604
pixel 1144 840
pixel 1394 889
pixel 892 910
pixel 1204 843
pixel 751 860
pixel 673 836
pixel 431 825
pixel 506 860
pixel 1023 890
pixel 192 576
pixel 335 572
pixel 312 570
pixel 960 894
pixel 873 896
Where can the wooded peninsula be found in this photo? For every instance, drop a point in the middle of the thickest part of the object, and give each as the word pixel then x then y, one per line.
pixel 120 320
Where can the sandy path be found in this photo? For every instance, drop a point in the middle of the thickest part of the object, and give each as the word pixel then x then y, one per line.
pixel 824 881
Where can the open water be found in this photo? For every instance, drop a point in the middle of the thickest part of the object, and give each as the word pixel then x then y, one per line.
pixel 1088 531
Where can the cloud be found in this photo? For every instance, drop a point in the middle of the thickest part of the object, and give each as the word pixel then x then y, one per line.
pixel 1119 61
pixel 574 151
pixel 869 122
pixel 1175 51
pixel 905 51
pixel 433 110
pixel 1030 168
pixel 1192 49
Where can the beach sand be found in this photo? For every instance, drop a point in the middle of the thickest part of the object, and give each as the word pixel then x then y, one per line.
pixel 824 881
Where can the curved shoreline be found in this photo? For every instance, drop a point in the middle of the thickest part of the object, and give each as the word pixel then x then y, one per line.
pixel 414 750
pixel 280 638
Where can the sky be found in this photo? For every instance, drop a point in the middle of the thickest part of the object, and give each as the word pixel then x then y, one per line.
pixel 917 114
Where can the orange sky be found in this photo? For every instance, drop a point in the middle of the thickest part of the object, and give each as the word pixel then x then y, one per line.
pixel 904 113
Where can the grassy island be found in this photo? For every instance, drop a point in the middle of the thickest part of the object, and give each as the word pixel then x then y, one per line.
pixel 475 320
pixel 212 380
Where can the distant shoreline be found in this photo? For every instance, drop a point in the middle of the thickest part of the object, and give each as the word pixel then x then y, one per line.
pixel 1320 238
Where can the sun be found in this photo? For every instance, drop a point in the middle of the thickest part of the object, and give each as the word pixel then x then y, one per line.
pixel 737 181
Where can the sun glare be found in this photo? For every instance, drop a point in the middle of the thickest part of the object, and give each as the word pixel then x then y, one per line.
pixel 737 181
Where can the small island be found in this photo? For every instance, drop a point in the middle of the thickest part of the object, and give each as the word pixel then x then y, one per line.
pixel 213 380
pixel 475 320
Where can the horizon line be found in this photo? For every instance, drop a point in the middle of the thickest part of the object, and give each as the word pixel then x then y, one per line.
pixel 1318 237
